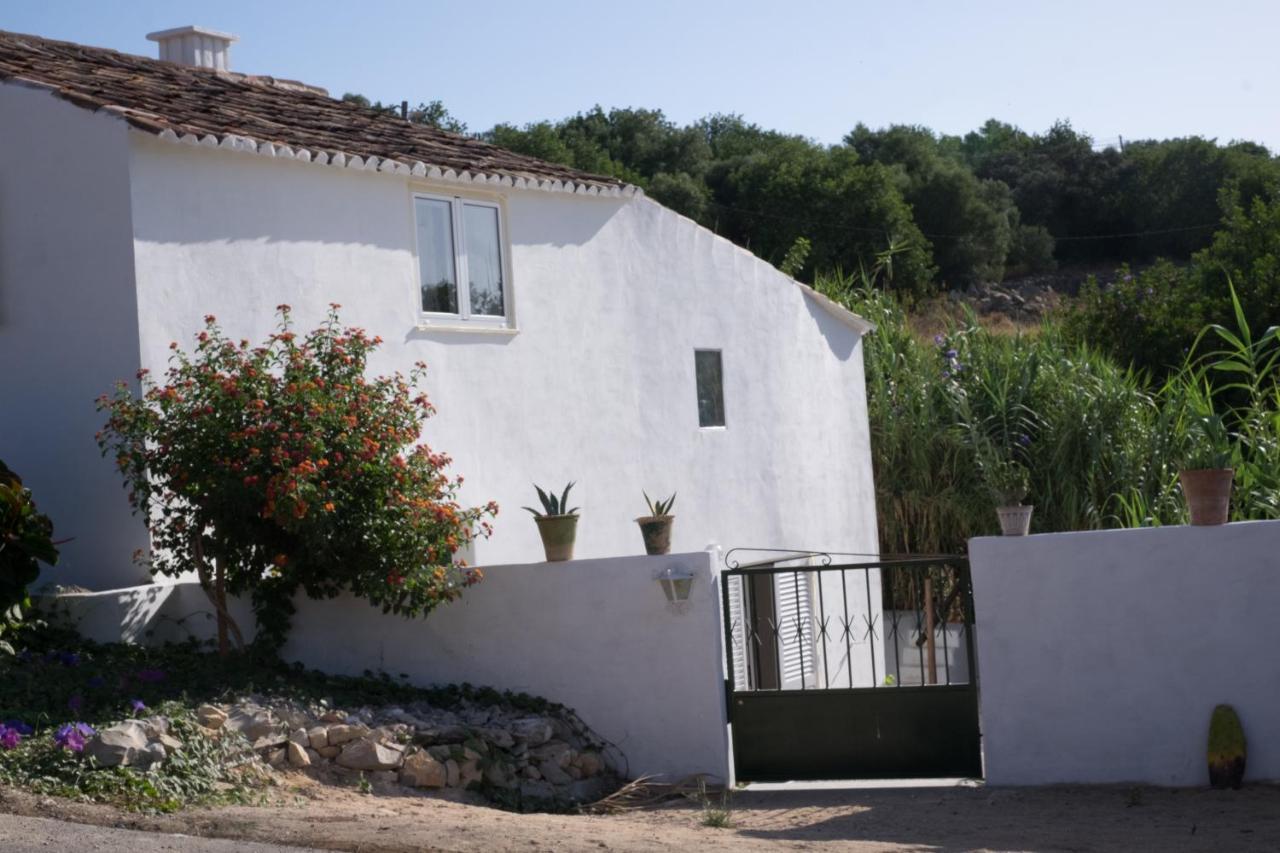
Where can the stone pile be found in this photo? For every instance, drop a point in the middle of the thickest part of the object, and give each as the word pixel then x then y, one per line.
pixel 540 757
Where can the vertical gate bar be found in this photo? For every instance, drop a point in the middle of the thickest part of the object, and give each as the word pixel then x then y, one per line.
pixel 848 649
pixel 822 616
pixel 897 662
pixel 728 632
pixel 968 622
pixel 946 655
pixel 795 584
pixel 777 635
pixel 866 578
pixel 919 602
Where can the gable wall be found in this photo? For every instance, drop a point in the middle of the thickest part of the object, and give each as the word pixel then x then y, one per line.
pixel 611 298
pixel 68 321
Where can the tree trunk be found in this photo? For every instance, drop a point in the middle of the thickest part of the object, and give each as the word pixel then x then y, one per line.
pixel 220 604
pixel 217 593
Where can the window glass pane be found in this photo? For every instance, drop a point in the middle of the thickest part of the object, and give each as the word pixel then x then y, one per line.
pixel 710 387
pixel 484 259
pixel 435 256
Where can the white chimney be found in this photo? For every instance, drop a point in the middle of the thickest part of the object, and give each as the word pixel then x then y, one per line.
pixel 198 46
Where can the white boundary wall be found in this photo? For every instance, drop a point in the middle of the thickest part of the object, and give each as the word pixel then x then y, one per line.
pixel 1102 655
pixel 596 635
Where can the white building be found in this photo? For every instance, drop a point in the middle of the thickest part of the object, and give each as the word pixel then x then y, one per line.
pixel 137 196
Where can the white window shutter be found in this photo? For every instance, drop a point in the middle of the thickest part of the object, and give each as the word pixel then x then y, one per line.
pixel 796 647
pixel 738 632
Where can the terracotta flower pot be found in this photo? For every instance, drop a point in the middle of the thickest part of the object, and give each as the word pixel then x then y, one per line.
pixel 558 532
pixel 1015 520
pixel 1208 493
pixel 656 530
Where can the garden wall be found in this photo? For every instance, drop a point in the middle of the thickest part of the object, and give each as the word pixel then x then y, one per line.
pixel 596 635
pixel 1102 655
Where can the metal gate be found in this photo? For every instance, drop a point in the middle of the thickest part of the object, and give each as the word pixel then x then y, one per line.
pixel 851 671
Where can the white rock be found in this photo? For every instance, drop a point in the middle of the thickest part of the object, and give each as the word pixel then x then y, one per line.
pixel 556 751
pixel 590 763
pixel 452 773
pixel 300 737
pixel 342 733
pixel 118 745
pixel 533 730
pixel 469 774
pixel 420 770
pixel 552 772
pixel 211 716
pixel 369 755
pixel 318 737
pixel 298 755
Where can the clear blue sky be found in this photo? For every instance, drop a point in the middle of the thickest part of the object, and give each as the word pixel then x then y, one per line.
pixel 1137 68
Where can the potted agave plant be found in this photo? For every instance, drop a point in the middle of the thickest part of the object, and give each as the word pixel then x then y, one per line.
pixel 1009 485
pixel 1207 474
pixel 557 524
pixel 656 526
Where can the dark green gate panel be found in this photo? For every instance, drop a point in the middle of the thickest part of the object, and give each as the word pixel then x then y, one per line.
pixel 871 733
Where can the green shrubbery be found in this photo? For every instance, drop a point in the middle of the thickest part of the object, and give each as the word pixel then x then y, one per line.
pixel 1151 318
pixel 1100 444
pixel 26 541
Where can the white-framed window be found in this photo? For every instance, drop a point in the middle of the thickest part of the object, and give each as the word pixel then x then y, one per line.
pixel 463 267
pixel 709 378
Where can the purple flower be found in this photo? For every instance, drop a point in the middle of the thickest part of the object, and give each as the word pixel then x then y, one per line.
pixel 18 726
pixel 72 736
pixel 150 676
pixel 137 706
pixel 76 702
pixel 97 681
pixel 951 354
pixel 69 658
pixel 946 374
pixel 939 340
pixel 1127 277
pixel 1024 439
pixel 9 738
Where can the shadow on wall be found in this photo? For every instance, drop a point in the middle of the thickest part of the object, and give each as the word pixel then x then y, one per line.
pixel 839 337
pixel 233 197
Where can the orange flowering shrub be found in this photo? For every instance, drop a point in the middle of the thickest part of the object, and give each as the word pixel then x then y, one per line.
pixel 281 467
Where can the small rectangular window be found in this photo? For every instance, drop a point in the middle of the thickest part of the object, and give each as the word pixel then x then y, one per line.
pixel 461 262
pixel 710 380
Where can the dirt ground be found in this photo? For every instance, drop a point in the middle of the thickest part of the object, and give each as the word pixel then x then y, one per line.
pixel 1051 819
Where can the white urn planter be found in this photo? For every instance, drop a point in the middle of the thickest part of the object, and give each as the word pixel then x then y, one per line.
pixel 1015 520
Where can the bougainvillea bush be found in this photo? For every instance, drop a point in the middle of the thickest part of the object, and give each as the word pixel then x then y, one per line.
pixel 281 467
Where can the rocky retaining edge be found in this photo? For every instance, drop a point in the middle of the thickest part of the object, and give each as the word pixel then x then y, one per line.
pixel 549 758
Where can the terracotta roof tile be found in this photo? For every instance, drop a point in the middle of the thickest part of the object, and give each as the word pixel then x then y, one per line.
pixel 239 110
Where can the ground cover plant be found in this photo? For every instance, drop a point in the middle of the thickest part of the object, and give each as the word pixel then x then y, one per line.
pixel 280 468
pixel 60 689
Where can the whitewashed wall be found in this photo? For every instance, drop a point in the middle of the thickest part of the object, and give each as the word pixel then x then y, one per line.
pixel 68 321
pixel 611 298
pixel 596 635
pixel 1102 655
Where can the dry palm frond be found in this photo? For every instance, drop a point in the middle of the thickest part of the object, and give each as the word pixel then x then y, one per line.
pixel 645 792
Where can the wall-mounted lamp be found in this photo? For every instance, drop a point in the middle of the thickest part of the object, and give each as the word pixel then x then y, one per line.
pixel 676 583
